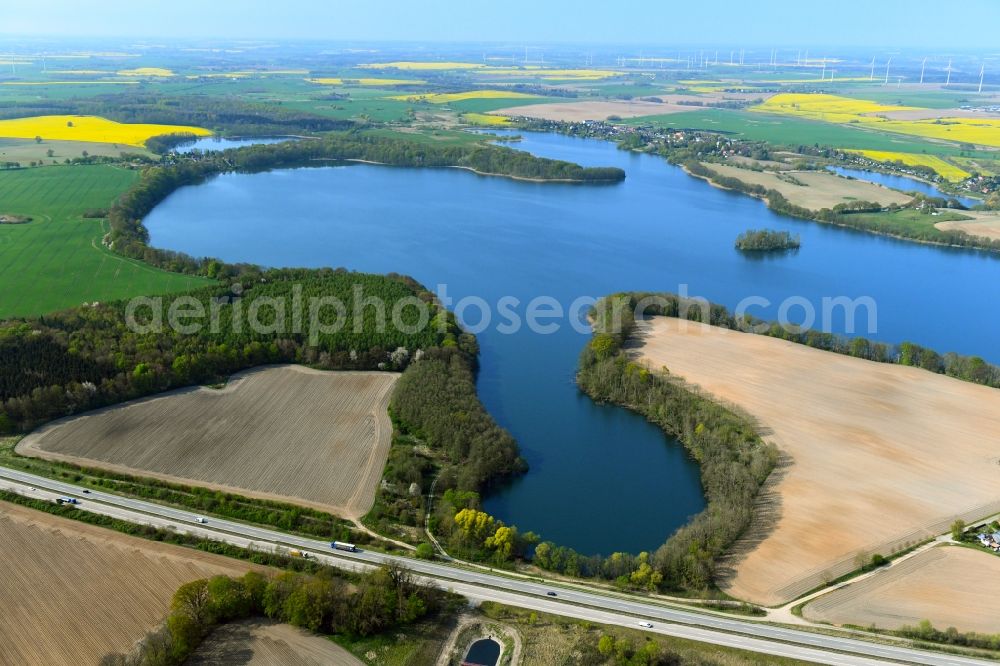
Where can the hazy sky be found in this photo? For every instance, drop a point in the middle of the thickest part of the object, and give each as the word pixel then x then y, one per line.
pixel 888 23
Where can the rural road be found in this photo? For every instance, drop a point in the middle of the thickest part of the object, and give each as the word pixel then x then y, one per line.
pixel 480 585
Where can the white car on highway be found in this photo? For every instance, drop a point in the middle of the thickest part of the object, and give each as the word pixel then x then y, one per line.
pixel 201 519
pixel 646 625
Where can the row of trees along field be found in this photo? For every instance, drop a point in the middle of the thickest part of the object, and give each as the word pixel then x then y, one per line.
pixel 87 357
pixel 129 236
pixel 734 460
pixel 362 605
pixel 966 368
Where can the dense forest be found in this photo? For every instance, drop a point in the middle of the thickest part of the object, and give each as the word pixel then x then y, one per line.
pixel 129 237
pixel 435 406
pixel 436 401
pixel 359 605
pixel 87 357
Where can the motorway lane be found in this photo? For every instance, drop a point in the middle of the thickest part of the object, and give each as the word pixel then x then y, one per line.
pixel 478 584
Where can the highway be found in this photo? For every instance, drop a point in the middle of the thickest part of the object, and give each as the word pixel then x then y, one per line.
pixel 477 584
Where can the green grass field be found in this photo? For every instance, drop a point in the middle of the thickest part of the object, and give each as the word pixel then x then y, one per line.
pixel 57 261
pixel 909 222
pixel 785 130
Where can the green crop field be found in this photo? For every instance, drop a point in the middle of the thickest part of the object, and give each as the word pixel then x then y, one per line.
pixel 57 260
pixel 785 130
pixel 362 102
pixel 484 105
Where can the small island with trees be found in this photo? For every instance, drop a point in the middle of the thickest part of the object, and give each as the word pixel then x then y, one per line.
pixel 766 240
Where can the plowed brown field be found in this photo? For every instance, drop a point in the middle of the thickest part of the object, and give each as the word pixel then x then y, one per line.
pixel 948 585
pixel 71 592
pixel 288 433
pixel 877 456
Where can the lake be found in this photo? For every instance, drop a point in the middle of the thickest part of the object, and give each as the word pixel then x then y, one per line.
pixel 904 183
pixel 602 479
pixel 207 143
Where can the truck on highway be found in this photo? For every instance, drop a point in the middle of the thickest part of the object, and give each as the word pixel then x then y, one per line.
pixel 67 500
pixel 341 545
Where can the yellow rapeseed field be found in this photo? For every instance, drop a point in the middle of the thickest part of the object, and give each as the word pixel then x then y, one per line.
pixel 365 82
pixel 422 65
pixel 66 83
pixel 89 128
pixel 843 110
pixel 145 71
pixel 943 168
pixel 550 74
pixel 248 74
pixel 484 119
pixel 831 108
pixel 444 98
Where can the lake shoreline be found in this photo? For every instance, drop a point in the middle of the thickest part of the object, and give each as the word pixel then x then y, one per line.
pixel 761 197
pixel 574 181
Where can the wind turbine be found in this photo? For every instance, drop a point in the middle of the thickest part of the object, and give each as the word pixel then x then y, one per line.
pixel 871 77
pixel 982 71
pixel 922 66
pixel 888 62
pixel 948 80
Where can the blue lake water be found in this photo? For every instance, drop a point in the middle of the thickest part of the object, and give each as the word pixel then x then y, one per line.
pixel 208 143
pixel 903 183
pixel 484 652
pixel 601 479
